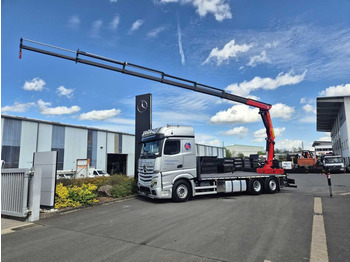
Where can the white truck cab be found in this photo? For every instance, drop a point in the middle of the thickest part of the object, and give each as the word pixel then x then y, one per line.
pixel 168 154
pixel 333 163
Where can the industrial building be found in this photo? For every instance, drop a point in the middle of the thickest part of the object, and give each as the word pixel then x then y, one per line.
pixel 108 150
pixel 322 147
pixel 333 115
pixel 245 150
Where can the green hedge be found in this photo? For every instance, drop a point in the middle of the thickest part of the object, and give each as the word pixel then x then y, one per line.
pixel 121 185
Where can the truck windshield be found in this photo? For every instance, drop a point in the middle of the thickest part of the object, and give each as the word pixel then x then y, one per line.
pixel 333 160
pixel 151 149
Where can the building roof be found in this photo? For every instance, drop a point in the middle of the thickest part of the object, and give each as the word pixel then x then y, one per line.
pixel 327 111
pixel 322 143
pixel 61 124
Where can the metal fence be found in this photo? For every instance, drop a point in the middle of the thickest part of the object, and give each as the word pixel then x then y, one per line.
pixel 14 192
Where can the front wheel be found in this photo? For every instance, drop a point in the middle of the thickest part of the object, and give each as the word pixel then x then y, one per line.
pixel 181 191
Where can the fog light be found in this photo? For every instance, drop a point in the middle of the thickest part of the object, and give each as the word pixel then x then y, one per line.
pixel 165 193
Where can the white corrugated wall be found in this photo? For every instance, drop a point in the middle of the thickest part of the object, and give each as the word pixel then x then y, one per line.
pixel 28 144
pixel 101 162
pixel 75 146
pixel 110 143
pixel 44 137
pixel 128 147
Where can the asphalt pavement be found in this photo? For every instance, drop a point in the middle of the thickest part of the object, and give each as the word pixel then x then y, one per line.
pixel 233 227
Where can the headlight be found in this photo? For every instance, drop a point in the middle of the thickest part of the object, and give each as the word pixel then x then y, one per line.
pixel 154 183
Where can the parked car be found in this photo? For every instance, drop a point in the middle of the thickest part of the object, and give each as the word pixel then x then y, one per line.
pixel 97 172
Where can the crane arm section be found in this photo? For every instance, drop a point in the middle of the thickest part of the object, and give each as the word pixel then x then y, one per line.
pixel 159 76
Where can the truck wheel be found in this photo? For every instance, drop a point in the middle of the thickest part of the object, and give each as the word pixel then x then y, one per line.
pixel 181 191
pixel 271 185
pixel 256 186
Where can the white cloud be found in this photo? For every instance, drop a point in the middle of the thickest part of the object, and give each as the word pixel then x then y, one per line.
pixel 17 107
pixel 308 119
pixel 288 144
pixel 179 40
pixel 113 1
pixel 339 90
pixel 62 91
pixel 60 110
pixel 270 45
pixel 98 115
pixel 259 59
pixel 209 140
pixel 244 88
pixel 36 84
pixel 236 114
pixel 309 108
pixel 136 25
pixel 303 100
pixel 113 25
pixel 230 50
pixel 96 28
pixel 325 138
pixel 281 111
pixel 245 114
pixel 237 131
pixel 155 32
pixel 260 135
pixel 219 8
pixel 74 22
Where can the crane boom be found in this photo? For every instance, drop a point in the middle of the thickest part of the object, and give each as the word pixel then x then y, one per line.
pixel 159 76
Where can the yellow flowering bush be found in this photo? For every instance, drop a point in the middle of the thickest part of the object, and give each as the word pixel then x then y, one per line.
pixel 75 196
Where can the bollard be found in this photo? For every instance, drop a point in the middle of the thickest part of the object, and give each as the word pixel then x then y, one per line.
pixel 329 184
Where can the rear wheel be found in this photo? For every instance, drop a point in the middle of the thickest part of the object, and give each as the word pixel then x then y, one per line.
pixel 181 191
pixel 271 185
pixel 256 186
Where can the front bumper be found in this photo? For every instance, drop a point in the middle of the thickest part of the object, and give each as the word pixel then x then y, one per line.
pixel 145 189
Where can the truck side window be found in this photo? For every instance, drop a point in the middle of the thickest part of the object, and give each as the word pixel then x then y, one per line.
pixel 172 147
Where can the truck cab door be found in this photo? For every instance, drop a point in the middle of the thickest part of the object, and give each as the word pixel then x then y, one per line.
pixel 172 158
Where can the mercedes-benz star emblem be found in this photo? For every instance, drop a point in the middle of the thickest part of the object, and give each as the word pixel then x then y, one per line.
pixel 144 169
pixel 142 106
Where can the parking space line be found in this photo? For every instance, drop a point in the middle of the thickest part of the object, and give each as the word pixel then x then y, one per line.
pixel 318 252
pixel 344 194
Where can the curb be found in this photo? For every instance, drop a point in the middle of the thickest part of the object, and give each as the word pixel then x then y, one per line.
pixel 67 210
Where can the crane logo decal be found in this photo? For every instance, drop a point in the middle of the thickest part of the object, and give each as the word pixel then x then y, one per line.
pixel 188 146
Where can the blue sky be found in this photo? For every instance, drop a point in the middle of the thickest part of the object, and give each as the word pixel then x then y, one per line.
pixel 285 53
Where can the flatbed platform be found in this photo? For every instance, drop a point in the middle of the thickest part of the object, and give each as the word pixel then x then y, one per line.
pixel 236 175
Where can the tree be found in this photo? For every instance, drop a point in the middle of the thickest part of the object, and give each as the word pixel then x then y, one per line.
pixel 240 154
pixel 228 152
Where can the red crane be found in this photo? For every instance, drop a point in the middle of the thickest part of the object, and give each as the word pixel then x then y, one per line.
pixel 159 76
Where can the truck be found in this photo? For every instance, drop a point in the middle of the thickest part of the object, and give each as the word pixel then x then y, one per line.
pixel 156 170
pixel 333 163
pixel 169 169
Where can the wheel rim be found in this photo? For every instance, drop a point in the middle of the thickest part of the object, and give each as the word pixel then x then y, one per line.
pixel 182 191
pixel 272 185
pixel 256 186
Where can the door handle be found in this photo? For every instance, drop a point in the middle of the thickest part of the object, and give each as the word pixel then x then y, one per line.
pixel 179 166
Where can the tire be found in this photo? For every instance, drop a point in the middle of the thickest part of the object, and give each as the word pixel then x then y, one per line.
pixel 256 186
pixel 271 185
pixel 181 191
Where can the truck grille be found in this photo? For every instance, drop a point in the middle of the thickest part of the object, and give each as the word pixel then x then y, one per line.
pixel 145 173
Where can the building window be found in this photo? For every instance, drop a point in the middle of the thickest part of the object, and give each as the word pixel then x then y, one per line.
pixel 92 147
pixel 11 141
pixel 57 144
